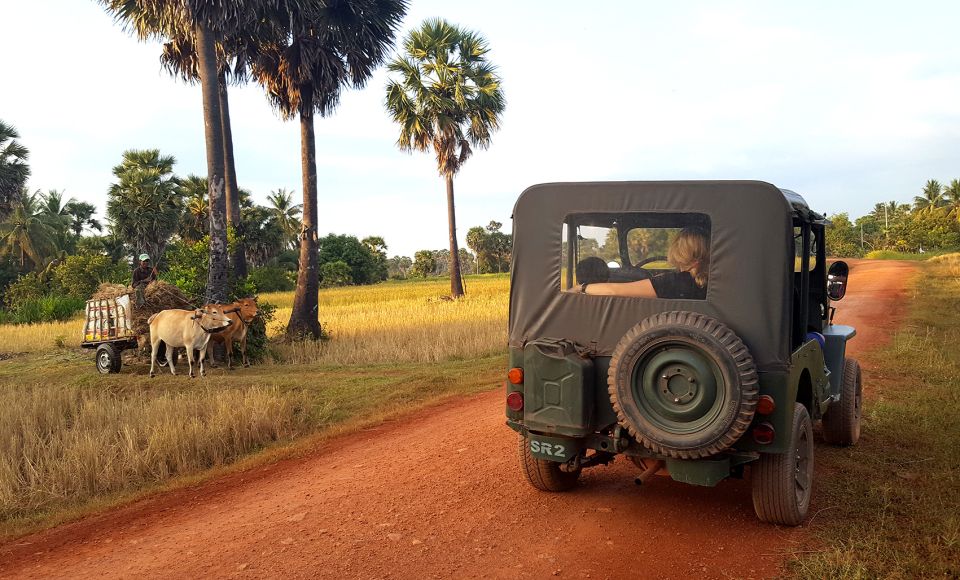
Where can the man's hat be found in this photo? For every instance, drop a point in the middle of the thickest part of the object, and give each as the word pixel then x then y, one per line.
pixel 144 257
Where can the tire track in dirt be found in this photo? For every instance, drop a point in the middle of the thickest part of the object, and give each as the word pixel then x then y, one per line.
pixel 438 495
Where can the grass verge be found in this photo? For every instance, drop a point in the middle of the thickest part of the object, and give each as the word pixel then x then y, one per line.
pixel 891 504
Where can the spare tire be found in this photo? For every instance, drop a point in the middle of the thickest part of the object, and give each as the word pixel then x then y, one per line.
pixel 683 384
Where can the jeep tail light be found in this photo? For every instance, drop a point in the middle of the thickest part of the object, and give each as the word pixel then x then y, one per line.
pixel 516 376
pixel 515 401
pixel 766 405
pixel 764 433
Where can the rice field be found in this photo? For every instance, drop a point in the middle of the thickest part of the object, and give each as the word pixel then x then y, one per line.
pixel 390 322
pixel 72 440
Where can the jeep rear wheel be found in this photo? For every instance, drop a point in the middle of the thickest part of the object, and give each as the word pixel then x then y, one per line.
pixel 683 384
pixel 841 422
pixel 782 482
pixel 543 474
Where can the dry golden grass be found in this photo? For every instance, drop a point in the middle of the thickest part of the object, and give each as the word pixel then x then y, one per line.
pixel 71 439
pixel 402 322
pixel 61 444
pixel 17 338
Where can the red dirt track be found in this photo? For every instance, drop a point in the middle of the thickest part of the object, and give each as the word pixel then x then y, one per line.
pixel 439 495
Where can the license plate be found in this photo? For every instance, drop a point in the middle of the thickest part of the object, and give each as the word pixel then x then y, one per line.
pixel 553 448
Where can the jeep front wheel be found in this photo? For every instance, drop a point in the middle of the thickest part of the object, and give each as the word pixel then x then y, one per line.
pixel 782 482
pixel 543 474
pixel 683 384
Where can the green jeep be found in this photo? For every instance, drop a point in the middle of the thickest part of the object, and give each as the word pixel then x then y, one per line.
pixel 686 325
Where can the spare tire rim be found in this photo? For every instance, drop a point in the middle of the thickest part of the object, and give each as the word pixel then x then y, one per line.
pixel 678 387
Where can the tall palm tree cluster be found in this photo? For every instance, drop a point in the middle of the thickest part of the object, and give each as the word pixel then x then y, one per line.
pixel 931 222
pixel 148 206
pixel 44 226
pixel 304 53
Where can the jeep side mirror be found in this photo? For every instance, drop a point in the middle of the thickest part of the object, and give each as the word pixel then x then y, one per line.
pixel 837 280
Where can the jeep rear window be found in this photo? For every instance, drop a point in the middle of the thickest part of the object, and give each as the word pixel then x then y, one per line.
pixel 603 249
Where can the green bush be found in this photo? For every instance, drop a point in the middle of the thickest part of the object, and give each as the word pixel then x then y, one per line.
pixel 336 273
pixel 78 276
pixel 257 345
pixel 47 309
pixel 272 279
pixel 29 287
pixel 187 265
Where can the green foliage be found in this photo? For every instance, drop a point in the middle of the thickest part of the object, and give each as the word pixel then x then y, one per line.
pixel 491 246
pixel 398 267
pixel 843 237
pixel 333 274
pixel 258 347
pixel 30 286
pixel 46 309
pixel 187 267
pixel 143 204
pixel 366 265
pixel 272 279
pixel 25 236
pixel 14 170
pixel 445 94
pixel 424 264
pixel 78 276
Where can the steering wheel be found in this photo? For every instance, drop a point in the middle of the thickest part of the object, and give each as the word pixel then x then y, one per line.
pixel 646 261
pixel 638 272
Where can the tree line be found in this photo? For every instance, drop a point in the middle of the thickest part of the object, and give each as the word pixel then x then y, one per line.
pixel 931 223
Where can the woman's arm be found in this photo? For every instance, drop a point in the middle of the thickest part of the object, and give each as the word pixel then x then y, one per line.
pixel 638 289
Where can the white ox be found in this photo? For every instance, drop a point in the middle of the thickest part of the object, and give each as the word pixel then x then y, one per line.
pixel 190 329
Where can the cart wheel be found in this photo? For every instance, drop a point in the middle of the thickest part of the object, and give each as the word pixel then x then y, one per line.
pixel 108 359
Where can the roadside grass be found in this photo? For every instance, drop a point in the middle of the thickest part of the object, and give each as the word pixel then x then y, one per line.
pixel 891 504
pixel 894 255
pixel 73 441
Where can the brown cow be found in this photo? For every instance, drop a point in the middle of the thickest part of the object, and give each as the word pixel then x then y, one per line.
pixel 241 313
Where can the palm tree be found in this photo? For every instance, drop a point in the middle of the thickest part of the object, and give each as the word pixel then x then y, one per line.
pixel 14 170
pixel 81 217
pixel 24 233
pixel 447 97
pixel 193 223
pixel 209 21
pixel 307 54
pixel 53 211
pixel 932 197
pixel 286 215
pixel 142 205
pixel 952 196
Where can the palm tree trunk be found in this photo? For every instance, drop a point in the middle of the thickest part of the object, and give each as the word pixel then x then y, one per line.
pixel 238 254
pixel 213 131
pixel 304 319
pixel 456 280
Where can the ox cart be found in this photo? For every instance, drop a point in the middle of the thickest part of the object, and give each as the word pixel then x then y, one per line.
pixel 109 330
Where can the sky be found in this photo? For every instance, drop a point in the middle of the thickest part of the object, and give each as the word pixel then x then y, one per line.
pixel 846 103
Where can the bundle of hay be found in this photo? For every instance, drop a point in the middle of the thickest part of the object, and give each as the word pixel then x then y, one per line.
pixel 158 295
pixel 108 290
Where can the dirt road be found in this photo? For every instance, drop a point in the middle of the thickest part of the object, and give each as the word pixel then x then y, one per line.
pixel 439 495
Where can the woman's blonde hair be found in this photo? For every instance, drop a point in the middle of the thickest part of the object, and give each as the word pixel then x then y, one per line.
pixel 690 252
